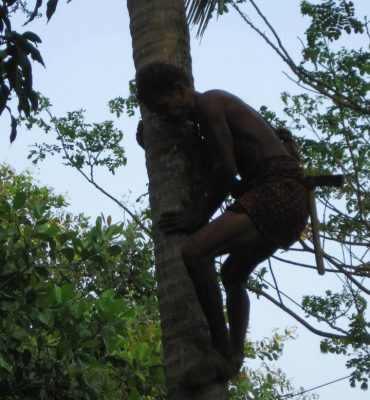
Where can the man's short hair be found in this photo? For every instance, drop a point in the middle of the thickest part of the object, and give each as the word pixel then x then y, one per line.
pixel 158 79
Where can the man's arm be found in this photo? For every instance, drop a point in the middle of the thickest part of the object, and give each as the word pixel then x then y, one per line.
pixel 219 141
pixel 220 144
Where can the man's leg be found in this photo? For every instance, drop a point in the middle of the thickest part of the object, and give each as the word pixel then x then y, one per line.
pixel 234 273
pixel 237 305
pixel 204 278
pixel 218 237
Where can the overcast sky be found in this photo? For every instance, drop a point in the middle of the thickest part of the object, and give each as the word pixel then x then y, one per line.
pixel 87 51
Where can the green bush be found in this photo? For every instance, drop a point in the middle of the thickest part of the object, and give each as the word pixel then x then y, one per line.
pixel 68 328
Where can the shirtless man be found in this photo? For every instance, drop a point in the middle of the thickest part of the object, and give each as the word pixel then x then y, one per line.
pixel 269 213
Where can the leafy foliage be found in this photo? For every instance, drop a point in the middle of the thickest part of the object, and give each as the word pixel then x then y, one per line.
pixel 82 145
pixel 16 52
pixel 266 381
pixel 200 12
pixel 67 330
pixel 329 19
pixel 118 105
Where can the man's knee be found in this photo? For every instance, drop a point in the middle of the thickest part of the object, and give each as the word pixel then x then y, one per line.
pixel 237 270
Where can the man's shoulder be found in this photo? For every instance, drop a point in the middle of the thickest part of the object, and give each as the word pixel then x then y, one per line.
pixel 214 100
pixel 215 94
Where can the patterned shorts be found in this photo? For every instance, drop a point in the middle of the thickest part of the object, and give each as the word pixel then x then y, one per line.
pixel 276 201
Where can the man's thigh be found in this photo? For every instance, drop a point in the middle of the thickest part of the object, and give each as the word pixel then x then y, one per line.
pixel 225 234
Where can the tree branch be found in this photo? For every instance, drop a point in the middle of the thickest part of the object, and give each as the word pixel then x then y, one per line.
pixel 303 75
pixel 276 285
pixel 340 267
pixel 310 313
pixel 295 316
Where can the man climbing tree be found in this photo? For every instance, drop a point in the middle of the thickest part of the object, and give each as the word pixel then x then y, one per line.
pixel 270 210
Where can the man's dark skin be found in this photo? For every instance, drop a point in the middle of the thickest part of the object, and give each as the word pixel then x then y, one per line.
pixel 238 140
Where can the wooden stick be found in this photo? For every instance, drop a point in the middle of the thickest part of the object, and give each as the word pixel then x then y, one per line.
pixel 315 233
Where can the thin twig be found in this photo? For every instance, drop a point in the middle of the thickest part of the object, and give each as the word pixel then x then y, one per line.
pixel 339 265
pixel 273 277
pixel 92 181
pixel 310 313
pixel 295 316
pixel 290 395
pixel 120 204
pixel 347 242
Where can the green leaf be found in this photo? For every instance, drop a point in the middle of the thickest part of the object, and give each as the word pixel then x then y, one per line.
pixel 18 332
pixel 4 96
pixel 4 364
pixel 44 318
pixel 9 306
pixel 108 295
pixel 19 201
pixel 90 344
pixel 115 250
pixel 134 394
pixel 140 375
pixel 142 351
pixel 34 13
pixel 57 294
pixel 31 36
pixel 39 209
pixel 69 253
pixel 50 8
pixel 67 291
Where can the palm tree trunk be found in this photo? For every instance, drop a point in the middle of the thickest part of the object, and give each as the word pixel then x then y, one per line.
pixel 160 34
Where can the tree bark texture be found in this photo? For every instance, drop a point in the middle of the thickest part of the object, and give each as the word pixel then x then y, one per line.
pixel 160 34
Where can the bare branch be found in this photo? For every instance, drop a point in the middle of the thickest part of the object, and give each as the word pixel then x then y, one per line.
pixel 295 316
pixel 275 281
pixel 347 242
pixel 311 314
pixel 302 265
pixel 341 268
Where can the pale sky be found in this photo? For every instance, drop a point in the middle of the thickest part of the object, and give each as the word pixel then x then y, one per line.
pixel 87 51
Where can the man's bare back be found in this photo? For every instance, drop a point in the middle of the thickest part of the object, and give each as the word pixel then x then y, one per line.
pixel 231 126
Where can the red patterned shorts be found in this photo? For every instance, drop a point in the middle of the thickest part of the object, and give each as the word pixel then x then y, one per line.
pixel 276 201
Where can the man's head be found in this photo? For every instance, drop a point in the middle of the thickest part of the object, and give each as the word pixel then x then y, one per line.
pixel 166 90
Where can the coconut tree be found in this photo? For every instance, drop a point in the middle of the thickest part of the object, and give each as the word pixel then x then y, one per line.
pixel 160 33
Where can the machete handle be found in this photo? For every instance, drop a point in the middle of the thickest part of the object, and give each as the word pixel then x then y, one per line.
pixel 315 233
